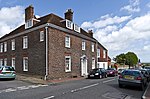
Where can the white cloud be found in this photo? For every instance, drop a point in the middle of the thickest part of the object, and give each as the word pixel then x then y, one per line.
pixel 105 21
pixel 134 35
pixel 10 18
pixel 146 47
pixel 132 7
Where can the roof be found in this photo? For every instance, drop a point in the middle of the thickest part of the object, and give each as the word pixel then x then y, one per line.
pixel 50 18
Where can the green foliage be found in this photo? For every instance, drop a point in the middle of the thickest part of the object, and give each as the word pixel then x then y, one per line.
pixel 129 58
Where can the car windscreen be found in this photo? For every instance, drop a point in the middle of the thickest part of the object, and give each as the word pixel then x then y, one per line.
pixel 8 69
pixel 147 67
pixel 110 69
pixel 95 71
pixel 132 73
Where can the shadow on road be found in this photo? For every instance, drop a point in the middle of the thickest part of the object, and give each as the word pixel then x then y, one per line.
pixel 6 79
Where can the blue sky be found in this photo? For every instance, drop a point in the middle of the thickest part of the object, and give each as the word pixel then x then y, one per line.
pixel 120 25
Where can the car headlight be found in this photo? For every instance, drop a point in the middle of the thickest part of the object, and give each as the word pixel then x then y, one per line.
pixel 96 73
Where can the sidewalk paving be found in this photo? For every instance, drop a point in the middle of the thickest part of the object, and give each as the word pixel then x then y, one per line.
pixel 146 94
pixel 35 80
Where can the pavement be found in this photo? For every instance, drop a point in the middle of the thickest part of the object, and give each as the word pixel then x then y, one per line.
pixel 37 80
pixel 146 94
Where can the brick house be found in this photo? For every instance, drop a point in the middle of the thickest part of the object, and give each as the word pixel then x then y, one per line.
pixel 50 47
pixel 102 56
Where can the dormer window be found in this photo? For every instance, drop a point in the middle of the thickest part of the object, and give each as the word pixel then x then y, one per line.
pixel 29 24
pixel 76 28
pixel 69 24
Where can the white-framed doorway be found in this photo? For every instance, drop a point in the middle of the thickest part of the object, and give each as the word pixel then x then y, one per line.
pixel 84 68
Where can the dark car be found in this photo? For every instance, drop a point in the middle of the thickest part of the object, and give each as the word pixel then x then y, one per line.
pixel 112 72
pixel 120 71
pixel 146 73
pixel 132 78
pixel 98 73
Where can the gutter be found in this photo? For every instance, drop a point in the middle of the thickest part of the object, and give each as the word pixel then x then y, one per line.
pixel 46 69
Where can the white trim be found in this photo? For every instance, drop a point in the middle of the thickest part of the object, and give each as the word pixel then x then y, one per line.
pixel 5 46
pixel 13 62
pixel 101 65
pixel 83 45
pixel 41 36
pixel 13 44
pixel 69 24
pixel 25 59
pixel 25 42
pixel 67 41
pixel 29 23
pixel 93 47
pixel 76 28
pixel 5 61
pixel 69 70
pixel 46 68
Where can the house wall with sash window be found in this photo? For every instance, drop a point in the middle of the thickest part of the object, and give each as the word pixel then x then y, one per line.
pixel 51 47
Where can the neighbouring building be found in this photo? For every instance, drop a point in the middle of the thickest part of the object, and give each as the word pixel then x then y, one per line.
pixel 51 47
pixel 102 57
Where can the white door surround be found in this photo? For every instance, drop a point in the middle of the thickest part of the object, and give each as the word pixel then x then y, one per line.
pixel 84 66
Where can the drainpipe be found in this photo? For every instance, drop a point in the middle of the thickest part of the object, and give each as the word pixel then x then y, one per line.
pixel 46 70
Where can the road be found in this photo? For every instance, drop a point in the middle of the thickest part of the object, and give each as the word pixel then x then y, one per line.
pixel 80 89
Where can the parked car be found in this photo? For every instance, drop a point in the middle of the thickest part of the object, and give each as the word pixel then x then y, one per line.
pixel 7 72
pixel 132 78
pixel 98 73
pixel 146 73
pixel 120 71
pixel 112 72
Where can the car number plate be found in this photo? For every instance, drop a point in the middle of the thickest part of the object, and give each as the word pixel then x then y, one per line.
pixel 91 75
pixel 129 77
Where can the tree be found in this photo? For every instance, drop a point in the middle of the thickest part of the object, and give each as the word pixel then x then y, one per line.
pixel 120 58
pixel 131 59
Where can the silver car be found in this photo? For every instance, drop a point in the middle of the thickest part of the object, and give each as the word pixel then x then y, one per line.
pixel 7 72
pixel 132 78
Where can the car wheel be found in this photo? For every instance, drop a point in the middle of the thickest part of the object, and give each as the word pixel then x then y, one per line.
pixel 106 76
pixel 100 76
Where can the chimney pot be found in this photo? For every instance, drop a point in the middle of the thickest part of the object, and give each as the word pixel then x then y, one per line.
pixel 69 14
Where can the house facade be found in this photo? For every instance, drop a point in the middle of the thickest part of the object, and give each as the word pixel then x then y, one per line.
pixel 102 56
pixel 51 47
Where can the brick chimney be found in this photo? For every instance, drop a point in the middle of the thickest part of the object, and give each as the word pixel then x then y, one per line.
pixel 90 32
pixel 69 15
pixel 29 13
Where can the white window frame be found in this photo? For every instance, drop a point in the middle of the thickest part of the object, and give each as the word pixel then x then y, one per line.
pixel 1 46
pixel 41 36
pixel 5 46
pixel 67 41
pixel 13 62
pixel 25 42
pixel 25 65
pixel 69 24
pixel 29 23
pixel 1 62
pixel 69 64
pixel 83 45
pixel 92 47
pixel 98 53
pixel 5 61
pixel 104 53
pixel 93 63
pixel 76 28
pixel 13 44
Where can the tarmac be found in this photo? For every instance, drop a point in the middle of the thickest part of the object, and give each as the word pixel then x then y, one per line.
pixel 34 80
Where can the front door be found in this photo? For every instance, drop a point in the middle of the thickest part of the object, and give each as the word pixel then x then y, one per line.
pixel 84 67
